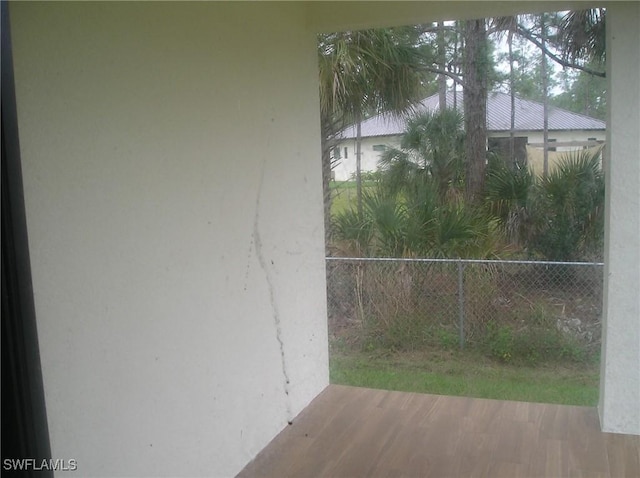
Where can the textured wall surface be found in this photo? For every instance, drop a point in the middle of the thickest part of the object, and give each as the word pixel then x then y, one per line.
pixel 174 204
pixel 620 369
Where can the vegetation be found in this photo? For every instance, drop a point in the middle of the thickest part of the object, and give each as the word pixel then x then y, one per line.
pixel 387 70
pixel 467 373
pixel 511 312
pixel 437 196
pixel 361 73
pixel 395 325
pixel 569 207
pixel 432 148
pixel 417 207
pixel 583 93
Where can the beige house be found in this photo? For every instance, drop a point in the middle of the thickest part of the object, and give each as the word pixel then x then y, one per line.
pixel 569 130
pixel 177 290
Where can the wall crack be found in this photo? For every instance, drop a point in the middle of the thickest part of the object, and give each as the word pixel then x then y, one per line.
pixel 257 246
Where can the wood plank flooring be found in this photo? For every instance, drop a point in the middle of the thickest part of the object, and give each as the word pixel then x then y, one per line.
pixel 358 432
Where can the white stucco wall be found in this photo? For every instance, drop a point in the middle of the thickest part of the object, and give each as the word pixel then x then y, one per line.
pixel 346 167
pixel 559 136
pixel 619 404
pixel 172 177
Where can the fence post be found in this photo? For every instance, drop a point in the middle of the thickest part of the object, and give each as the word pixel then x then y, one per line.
pixel 461 301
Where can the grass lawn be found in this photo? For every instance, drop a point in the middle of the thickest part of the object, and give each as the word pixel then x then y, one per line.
pixel 344 194
pixel 448 372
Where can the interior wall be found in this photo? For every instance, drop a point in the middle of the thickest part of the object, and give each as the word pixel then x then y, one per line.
pixel 172 178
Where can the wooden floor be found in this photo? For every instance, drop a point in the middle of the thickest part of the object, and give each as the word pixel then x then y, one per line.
pixel 358 432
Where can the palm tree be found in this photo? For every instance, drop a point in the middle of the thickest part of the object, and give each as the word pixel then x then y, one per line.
pixel 432 149
pixel 415 223
pixel 366 72
pixel 569 207
pixel 508 197
pixel 582 35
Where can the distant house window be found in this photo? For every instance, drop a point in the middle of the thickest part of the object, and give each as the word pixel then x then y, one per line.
pixel 552 140
pixel 590 139
pixel 336 153
pixel 379 147
pixel 346 154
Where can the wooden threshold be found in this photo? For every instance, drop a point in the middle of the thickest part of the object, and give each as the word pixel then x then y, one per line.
pixel 358 432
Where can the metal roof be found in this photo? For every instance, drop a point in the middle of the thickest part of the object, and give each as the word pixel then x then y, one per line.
pixel 529 117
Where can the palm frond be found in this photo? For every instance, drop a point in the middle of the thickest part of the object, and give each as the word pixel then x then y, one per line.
pixel 570 201
pixel 582 35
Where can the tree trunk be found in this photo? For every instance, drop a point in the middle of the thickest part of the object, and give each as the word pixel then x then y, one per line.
pixel 456 62
pixel 442 64
pixel 545 98
pixel 512 155
pixel 359 163
pixel 327 146
pixel 475 106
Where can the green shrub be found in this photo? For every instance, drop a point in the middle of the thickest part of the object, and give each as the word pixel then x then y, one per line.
pixel 569 206
pixel 537 341
pixel 500 341
pixel 448 339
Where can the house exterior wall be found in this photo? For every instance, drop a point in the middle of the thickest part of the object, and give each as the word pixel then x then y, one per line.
pixel 619 403
pixel 560 136
pixel 177 247
pixel 346 167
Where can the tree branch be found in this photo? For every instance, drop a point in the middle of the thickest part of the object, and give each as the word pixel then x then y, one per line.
pixel 527 34
pixel 454 77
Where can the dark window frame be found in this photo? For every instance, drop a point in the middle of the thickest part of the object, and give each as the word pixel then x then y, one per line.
pixel 25 432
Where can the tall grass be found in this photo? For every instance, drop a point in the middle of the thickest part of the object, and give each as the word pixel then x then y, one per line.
pixel 510 315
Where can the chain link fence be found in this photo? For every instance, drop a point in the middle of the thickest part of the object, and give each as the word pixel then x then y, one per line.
pixel 410 303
